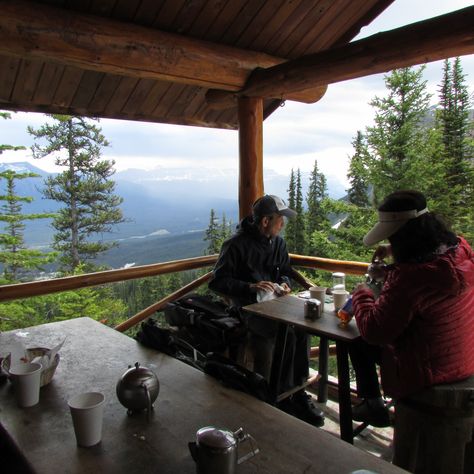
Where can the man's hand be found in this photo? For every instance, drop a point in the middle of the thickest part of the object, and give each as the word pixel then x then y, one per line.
pixel 286 289
pixel 262 285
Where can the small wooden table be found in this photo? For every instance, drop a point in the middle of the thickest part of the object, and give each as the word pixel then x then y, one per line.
pixel 289 310
pixel 95 356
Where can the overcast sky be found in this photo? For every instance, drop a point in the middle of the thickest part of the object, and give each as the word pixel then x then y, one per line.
pixel 294 136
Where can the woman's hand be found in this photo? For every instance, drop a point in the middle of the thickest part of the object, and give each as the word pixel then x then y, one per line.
pixel 361 286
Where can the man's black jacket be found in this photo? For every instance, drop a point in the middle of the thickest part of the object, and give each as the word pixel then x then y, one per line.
pixel 249 257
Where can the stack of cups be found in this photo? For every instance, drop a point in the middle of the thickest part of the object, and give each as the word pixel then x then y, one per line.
pixel 26 380
pixel 339 292
pixel 318 293
pixel 339 297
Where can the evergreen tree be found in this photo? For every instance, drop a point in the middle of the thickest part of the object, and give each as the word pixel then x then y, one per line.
pixel 213 235
pixel 85 188
pixel 14 256
pixel 300 244
pixel 455 130
pixel 358 193
pixel 317 191
pixel 3 147
pixel 397 143
pixel 290 229
pixel 225 230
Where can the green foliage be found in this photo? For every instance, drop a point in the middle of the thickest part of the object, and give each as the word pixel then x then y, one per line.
pixel 85 189
pixel 397 142
pixel 290 228
pixel 358 173
pixel 216 233
pixel 456 150
pixel 299 231
pixel 96 303
pixel 17 260
pixel 3 147
pixel 316 218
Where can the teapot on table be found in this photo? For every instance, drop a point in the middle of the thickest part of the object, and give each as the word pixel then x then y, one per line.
pixel 137 389
pixel 216 450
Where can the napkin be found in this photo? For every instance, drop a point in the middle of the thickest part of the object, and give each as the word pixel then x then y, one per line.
pixel 263 295
pixel 47 359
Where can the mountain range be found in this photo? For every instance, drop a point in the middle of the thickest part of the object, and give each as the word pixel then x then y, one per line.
pixel 164 209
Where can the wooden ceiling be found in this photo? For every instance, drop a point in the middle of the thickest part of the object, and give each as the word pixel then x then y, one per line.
pixel 282 29
pixel 185 61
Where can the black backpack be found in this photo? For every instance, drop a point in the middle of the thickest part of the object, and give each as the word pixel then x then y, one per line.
pixel 207 324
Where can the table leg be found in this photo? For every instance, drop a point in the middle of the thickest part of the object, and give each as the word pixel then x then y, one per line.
pixel 345 409
pixel 277 363
pixel 323 369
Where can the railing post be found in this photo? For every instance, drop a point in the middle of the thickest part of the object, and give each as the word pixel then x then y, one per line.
pixel 250 153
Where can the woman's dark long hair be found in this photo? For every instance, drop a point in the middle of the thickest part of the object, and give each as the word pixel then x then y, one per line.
pixel 420 238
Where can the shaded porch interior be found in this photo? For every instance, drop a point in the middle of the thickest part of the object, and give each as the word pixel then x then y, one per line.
pixel 221 64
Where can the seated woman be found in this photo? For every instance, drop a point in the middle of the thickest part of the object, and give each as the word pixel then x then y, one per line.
pixel 421 327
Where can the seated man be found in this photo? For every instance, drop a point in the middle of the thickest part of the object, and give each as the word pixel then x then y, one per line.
pixel 254 263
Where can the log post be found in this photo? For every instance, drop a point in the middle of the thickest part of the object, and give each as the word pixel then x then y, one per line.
pixel 250 153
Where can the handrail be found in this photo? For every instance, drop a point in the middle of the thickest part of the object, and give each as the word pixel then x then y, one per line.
pixel 144 313
pixel 44 287
pixel 331 265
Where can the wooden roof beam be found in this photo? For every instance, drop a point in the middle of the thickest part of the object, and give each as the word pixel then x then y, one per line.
pixel 425 41
pixel 32 31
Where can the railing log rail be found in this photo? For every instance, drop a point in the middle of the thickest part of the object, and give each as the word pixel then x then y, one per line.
pixel 55 285
pixel 44 287
pixel 145 313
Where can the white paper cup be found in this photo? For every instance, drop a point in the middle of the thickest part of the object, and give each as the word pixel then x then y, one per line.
pixel 339 298
pixel 87 411
pixel 26 383
pixel 319 293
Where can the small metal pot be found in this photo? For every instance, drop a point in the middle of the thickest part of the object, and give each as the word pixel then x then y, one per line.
pixel 137 389
pixel 216 451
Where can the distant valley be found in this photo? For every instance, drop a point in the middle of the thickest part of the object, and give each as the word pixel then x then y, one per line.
pixel 166 211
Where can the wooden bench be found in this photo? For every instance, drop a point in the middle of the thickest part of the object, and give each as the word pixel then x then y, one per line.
pixel 434 430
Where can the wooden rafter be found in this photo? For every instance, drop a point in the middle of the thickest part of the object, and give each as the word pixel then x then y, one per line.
pixel 32 31
pixel 430 40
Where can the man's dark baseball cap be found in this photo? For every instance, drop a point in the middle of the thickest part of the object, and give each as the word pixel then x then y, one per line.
pixel 269 204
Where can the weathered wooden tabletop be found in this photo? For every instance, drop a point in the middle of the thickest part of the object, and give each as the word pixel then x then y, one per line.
pixel 95 356
pixel 290 309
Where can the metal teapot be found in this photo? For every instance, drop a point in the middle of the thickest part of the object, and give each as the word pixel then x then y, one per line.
pixel 216 450
pixel 137 389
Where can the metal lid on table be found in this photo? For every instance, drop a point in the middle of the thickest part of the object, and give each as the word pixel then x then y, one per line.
pixel 213 437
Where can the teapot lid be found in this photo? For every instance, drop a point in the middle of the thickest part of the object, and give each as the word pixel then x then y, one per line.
pixel 213 437
pixel 137 375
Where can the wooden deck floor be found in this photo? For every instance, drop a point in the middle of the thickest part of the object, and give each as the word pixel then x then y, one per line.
pixel 376 441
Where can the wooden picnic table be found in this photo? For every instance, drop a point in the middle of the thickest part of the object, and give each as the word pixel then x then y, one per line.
pixel 289 310
pixel 93 358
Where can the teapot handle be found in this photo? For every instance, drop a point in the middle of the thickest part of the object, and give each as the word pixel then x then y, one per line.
pixel 241 437
pixel 193 449
pixel 147 392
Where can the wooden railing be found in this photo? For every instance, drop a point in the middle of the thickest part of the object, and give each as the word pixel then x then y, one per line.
pixel 43 287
